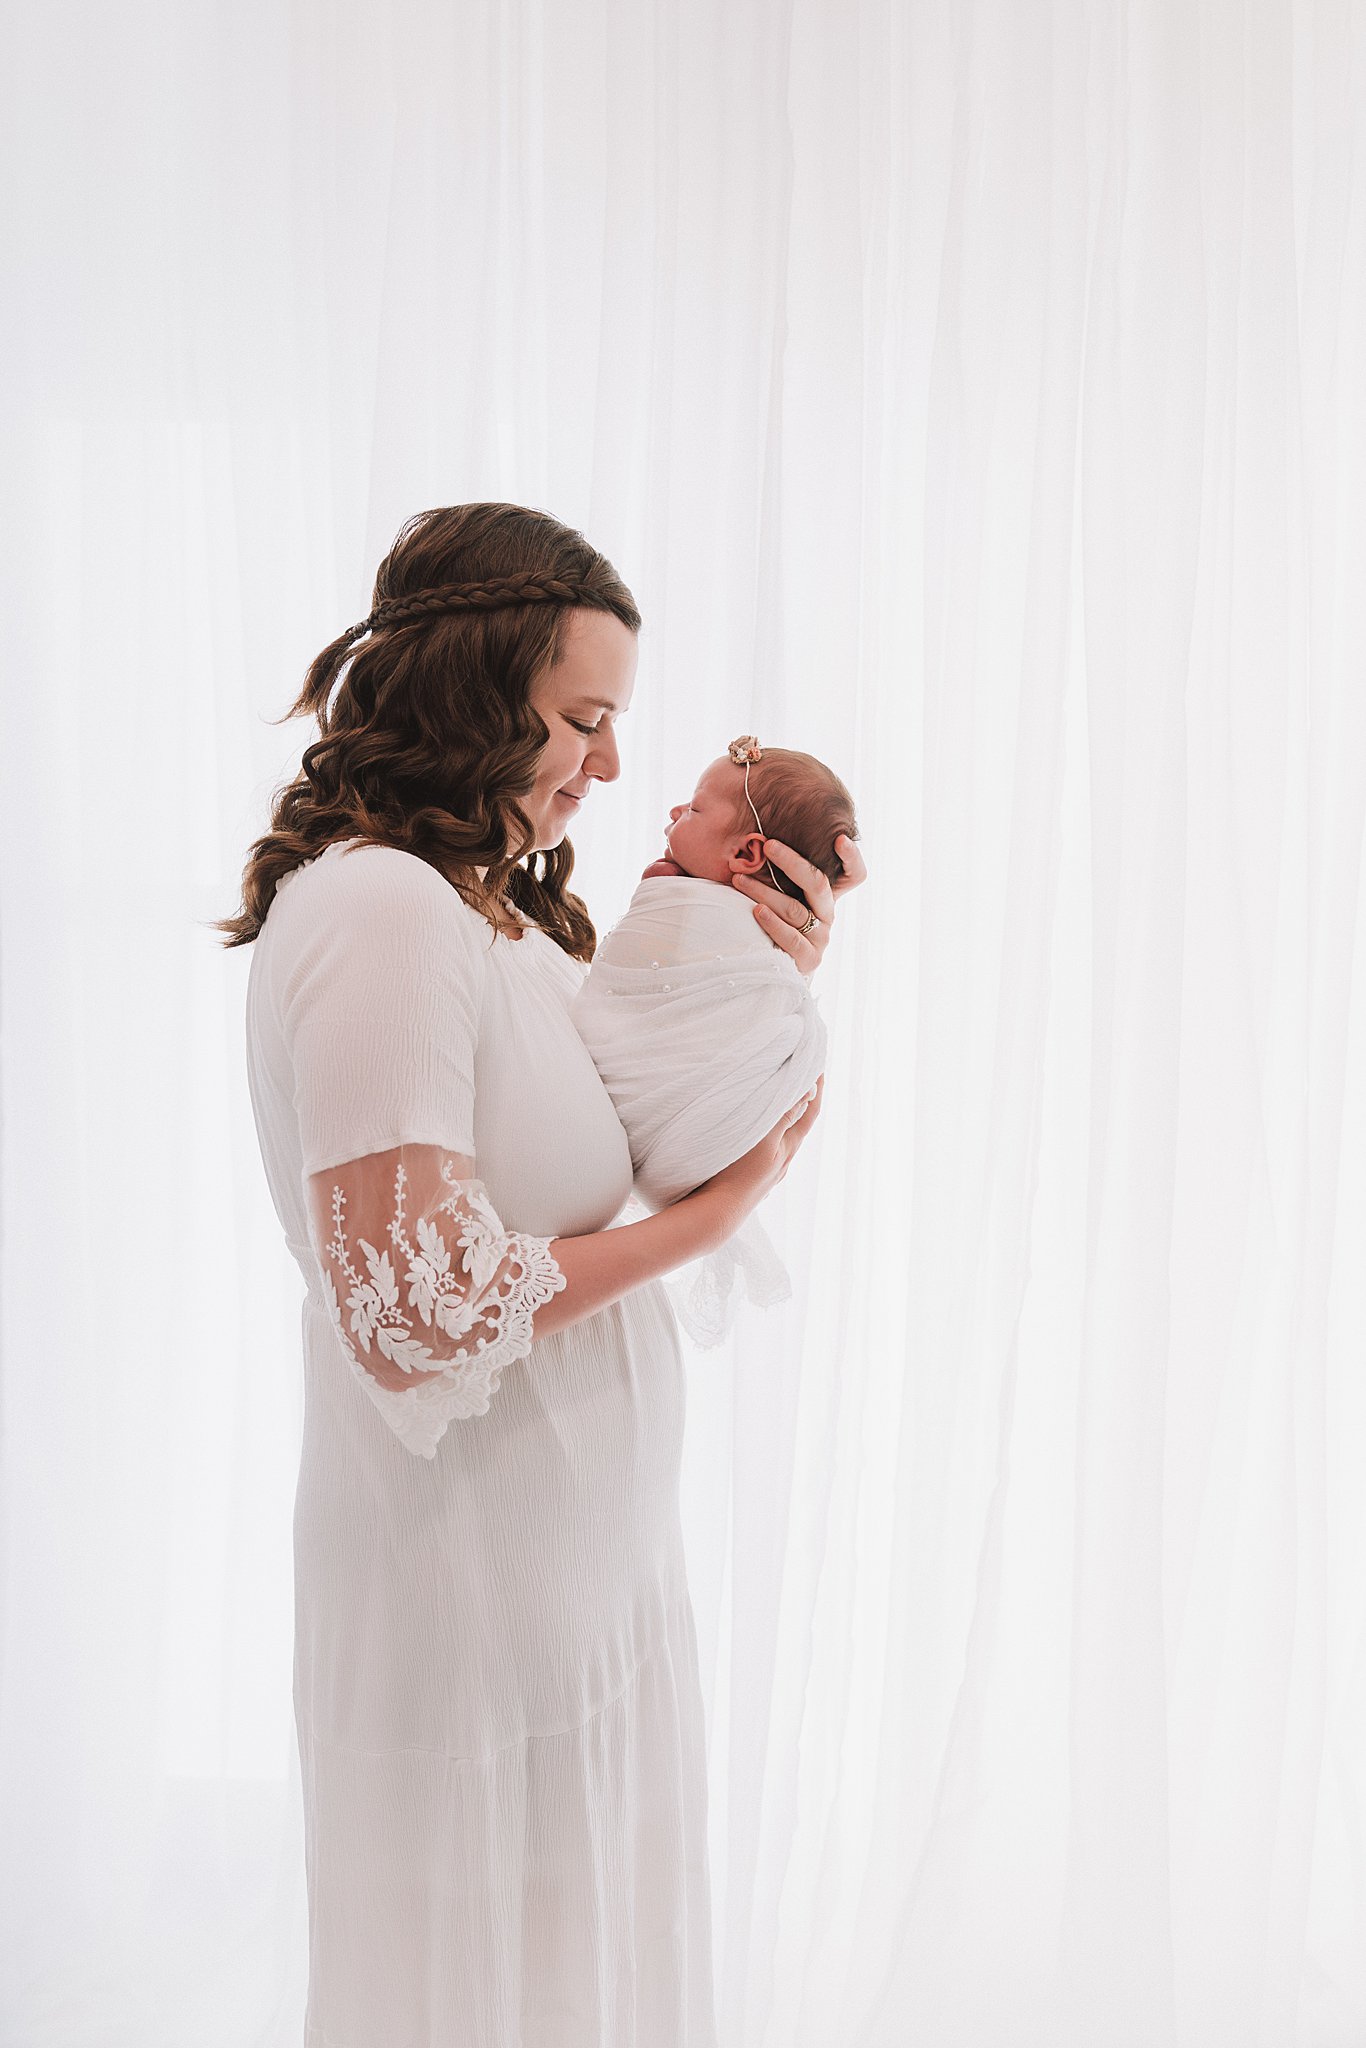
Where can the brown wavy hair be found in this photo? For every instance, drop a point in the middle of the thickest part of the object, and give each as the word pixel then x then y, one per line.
pixel 430 737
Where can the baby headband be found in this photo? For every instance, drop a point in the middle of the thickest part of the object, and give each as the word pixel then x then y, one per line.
pixel 742 752
pixel 494 594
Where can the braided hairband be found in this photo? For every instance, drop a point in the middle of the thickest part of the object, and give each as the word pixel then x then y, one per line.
pixel 742 752
pixel 494 594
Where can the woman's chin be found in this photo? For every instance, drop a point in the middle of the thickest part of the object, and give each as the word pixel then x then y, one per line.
pixel 549 834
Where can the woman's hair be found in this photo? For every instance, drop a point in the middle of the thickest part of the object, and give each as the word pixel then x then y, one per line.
pixel 430 737
pixel 803 803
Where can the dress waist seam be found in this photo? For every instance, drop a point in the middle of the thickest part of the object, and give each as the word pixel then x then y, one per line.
pixel 486 1756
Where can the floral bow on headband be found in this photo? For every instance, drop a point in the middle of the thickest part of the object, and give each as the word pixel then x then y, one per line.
pixel 742 752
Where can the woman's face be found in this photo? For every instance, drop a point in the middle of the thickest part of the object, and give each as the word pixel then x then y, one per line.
pixel 580 699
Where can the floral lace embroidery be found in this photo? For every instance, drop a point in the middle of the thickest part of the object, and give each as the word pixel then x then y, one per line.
pixel 455 1302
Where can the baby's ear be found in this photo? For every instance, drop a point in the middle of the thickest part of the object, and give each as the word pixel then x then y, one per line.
pixel 747 855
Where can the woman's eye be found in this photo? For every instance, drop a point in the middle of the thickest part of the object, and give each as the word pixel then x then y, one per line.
pixel 589 729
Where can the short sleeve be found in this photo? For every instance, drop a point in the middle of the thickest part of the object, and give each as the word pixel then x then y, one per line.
pixel 380 1011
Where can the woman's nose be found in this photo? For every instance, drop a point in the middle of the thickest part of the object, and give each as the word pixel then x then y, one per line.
pixel 606 761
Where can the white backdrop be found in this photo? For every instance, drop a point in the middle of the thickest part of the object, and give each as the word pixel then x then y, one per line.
pixel 973 395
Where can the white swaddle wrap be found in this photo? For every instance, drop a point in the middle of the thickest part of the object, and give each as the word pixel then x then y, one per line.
pixel 704 1032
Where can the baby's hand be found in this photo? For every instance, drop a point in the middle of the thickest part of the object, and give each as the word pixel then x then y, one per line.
pixel 662 867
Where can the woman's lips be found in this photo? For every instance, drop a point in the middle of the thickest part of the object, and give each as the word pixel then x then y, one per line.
pixel 569 796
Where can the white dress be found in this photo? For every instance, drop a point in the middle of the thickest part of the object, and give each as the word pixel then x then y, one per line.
pixel 496 1689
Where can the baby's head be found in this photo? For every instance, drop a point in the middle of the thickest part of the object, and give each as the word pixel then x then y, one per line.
pixel 799 800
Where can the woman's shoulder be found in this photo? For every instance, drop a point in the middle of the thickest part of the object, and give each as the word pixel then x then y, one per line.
pixel 366 867
pixel 364 881
pixel 355 888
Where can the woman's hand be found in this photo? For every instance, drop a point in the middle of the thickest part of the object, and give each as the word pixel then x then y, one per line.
pixel 740 1187
pixel 783 916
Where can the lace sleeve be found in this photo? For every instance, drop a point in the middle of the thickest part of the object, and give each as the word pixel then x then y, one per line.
pixel 429 1296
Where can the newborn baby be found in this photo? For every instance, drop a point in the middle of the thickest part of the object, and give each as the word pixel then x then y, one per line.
pixel 703 1030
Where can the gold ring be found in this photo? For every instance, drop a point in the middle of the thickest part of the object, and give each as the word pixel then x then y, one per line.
pixel 810 925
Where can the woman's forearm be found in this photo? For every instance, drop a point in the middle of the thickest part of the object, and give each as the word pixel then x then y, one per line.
pixel 603 1266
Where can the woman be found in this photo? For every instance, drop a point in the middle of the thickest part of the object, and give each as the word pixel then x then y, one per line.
pixel 499 1718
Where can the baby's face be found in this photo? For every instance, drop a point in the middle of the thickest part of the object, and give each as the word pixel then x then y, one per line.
pixel 705 837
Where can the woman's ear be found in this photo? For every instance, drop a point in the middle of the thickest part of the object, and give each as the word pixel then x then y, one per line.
pixel 747 855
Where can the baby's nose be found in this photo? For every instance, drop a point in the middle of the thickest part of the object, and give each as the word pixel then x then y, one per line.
pixel 675 812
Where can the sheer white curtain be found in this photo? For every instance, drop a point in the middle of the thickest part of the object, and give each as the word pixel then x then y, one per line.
pixel 973 395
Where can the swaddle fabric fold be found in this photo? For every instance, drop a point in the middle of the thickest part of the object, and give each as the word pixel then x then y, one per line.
pixel 704 1032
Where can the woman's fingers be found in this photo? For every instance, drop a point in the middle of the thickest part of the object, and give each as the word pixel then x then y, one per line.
pixel 812 1108
pixel 802 1117
pixel 809 1101
pixel 783 916
pixel 809 880
pixel 855 870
